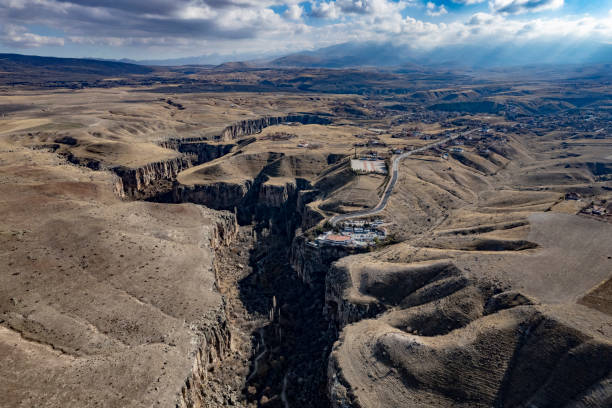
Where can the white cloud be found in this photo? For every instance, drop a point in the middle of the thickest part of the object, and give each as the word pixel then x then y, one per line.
pixel 372 7
pixel 344 8
pixel 468 2
pixel 18 37
pixel 434 11
pixel 164 29
pixel 194 12
pixel 294 12
pixel 325 10
pixel 484 19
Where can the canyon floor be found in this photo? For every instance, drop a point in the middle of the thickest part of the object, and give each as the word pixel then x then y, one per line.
pixel 157 246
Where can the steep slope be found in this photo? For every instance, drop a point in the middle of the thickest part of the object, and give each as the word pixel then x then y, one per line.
pixel 103 302
pixel 451 328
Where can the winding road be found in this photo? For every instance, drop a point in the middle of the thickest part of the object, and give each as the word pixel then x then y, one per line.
pixel 394 175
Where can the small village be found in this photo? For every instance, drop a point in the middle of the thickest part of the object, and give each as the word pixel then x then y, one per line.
pixel 353 234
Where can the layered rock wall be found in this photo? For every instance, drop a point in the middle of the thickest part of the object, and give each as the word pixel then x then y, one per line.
pixel 220 195
pixel 202 152
pixel 215 337
pixel 311 216
pixel 311 262
pixel 251 126
pixel 214 346
pixel 338 308
pixel 276 195
pixel 138 180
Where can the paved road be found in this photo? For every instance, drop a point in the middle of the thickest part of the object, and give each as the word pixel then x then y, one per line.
pixel 394 171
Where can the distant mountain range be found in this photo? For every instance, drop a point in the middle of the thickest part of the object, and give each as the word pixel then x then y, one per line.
pixel 387 54
pixel 203 60
pixel 33 70
pixel 370 54
pixel 544 61
pixel 460 56
pixel 22 64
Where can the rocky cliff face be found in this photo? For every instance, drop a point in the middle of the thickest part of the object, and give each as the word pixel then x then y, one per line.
pixel 118 188
pixel 220 195
pixel 243 128
pixel 310 215
pixel 200 149
pixel 141 181
pixel 311 263
pixel 155 178
pixel 338 308
pixel 215 338
pixel 257 198
pixel 275 195
pixel 225 230
pixel 252 126
pixel 214 346
pixel 129 292
pixel 205 152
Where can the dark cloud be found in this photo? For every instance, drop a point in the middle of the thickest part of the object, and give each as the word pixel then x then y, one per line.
pixel 204 19
pixel 190 27
pixel 161 7
pixel 468 2
pixel 524 6
pixel 134 6
pixel 354 6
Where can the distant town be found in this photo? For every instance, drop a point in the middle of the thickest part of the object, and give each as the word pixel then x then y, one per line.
pixel 354 234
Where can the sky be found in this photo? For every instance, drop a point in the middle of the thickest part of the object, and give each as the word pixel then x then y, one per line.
pixel 247 29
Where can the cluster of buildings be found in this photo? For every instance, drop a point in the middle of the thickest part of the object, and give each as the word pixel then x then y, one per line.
pixel 424 115
pixel 483 141
pixel 369 165
pixel 354 234
pixel 371 143
pixel 600 209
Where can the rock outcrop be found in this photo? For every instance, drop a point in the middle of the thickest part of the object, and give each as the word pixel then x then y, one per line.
pixel 203 152
pixel 311 216
pixel 219 195
pixel 311 262
pixel 252 126
pixel 155 178
pixel 276 195
pixel 141 181
pixel 199 149
pixel 215 337
pixel 215 343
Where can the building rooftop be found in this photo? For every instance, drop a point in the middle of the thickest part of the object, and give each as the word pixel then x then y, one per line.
pixel 338 238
